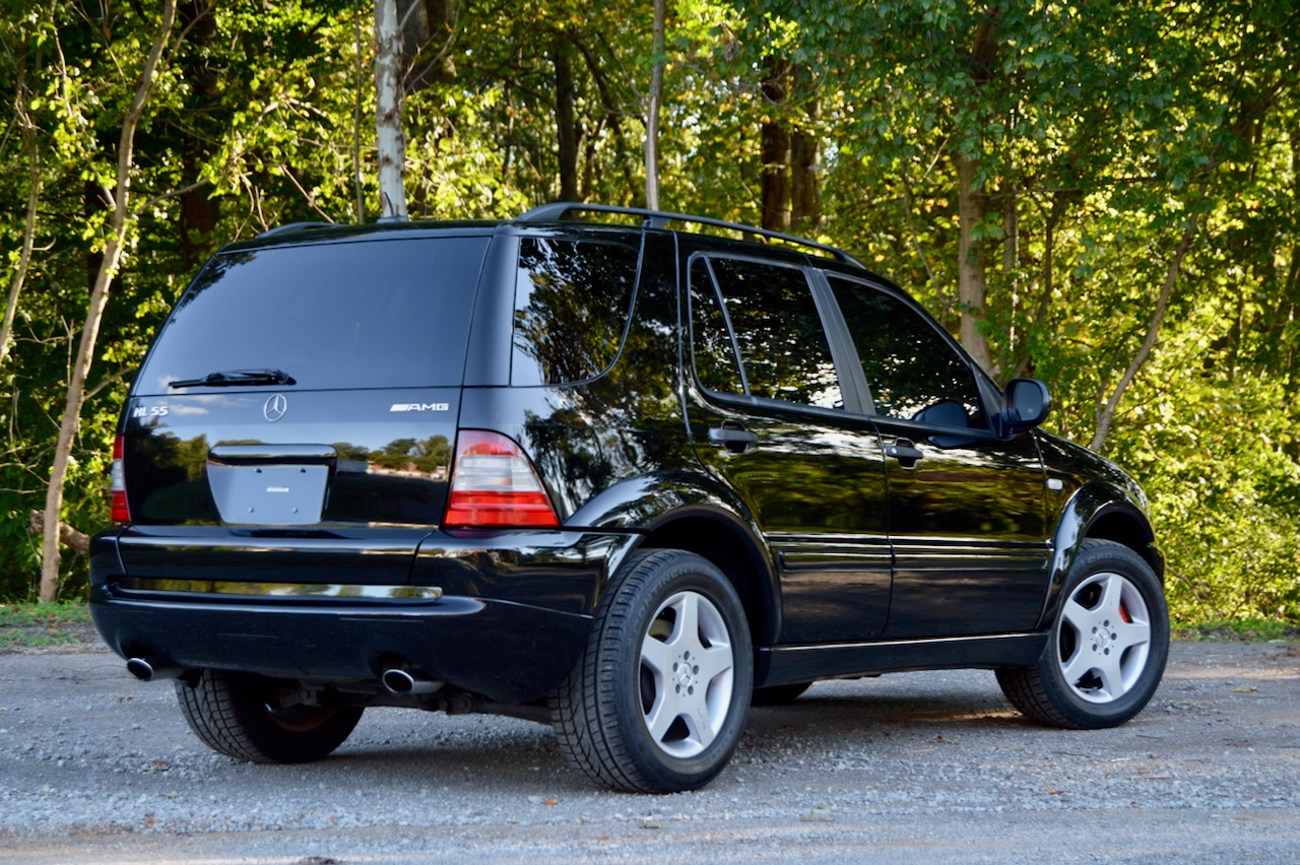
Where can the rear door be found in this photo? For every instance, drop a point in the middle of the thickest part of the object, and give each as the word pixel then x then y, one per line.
pixel 301 403
pixel 770 415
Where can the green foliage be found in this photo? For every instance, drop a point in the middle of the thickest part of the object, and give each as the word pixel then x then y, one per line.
pixel 33 625
pixel 1098 129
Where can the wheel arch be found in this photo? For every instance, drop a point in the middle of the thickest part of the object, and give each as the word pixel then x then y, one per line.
pixel 690 510
pixel 731 544
pixel 1100 511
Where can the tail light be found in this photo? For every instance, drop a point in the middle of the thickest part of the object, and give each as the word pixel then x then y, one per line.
pixel 494 485
pixel 121 512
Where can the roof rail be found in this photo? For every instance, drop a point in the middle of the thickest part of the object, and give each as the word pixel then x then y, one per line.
pixel 556 211
pixel 293 226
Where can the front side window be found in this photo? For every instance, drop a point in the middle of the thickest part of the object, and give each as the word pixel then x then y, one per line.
pixel 911 370
pixel 774 325
pixel 572 302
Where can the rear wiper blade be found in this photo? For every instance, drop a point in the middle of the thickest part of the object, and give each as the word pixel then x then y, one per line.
pixel 235 377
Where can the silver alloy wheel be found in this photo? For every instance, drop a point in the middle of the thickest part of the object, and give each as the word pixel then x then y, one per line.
pixel 687 676
pixel 1104 638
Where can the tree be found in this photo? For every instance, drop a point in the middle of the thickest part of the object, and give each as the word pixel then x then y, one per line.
pixel 114 245
pixel 652 107
pixel 388 111
pixel 31 146
pixel 1120 180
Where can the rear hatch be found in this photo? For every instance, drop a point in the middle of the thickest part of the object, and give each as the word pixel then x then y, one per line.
pixel 295 419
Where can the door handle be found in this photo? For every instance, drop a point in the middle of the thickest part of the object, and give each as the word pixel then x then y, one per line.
pixel 905 452
pixel 733 437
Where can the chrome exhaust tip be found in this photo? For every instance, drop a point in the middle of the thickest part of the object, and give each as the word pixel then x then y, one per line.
pixel 405 683
pixel 149 669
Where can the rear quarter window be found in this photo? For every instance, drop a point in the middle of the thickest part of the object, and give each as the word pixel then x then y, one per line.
pixel 375 314
pixel 572 302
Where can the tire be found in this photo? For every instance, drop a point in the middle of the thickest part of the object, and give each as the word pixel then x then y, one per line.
pixel 257 719
pixel 1107 647
pixel 660 696
pixel 779 695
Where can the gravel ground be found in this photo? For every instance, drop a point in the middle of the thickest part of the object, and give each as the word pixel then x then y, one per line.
pixel 96 767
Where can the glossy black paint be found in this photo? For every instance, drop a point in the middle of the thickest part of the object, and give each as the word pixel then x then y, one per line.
pixel 351 644
pixel 967 521
pixel 523 599
pixel 1096 500
pixel 386 466
pixel 782 664
pixel 858 543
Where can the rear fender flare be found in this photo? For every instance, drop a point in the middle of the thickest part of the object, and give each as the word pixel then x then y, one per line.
pixel 691 510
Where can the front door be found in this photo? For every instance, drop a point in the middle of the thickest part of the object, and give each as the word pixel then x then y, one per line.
pixel 966 509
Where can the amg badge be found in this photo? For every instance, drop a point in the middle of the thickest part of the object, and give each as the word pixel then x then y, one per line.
pixel 420 406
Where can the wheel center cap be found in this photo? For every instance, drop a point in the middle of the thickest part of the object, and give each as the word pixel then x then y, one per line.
pixel 684 672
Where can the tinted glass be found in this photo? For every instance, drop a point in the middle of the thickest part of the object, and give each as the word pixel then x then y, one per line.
pixel 715 357
pixel 572 300
pixel 911 369
pixel 384 313
pixel 783 346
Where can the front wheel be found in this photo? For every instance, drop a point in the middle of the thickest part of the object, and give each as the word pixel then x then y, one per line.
pixel 1107 648
pixel 262 720
pixel 659 699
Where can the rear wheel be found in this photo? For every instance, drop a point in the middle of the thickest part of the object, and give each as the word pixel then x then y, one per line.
pixel 1107 648
pixel 660 697
pixel 262 720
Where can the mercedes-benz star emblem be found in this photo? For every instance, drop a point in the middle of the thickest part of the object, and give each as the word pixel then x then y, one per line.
pixel 275 408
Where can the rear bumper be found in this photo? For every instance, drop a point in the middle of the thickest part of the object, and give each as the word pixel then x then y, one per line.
pixel 506 649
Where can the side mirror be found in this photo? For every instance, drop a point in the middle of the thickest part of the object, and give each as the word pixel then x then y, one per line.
pixel 1025 404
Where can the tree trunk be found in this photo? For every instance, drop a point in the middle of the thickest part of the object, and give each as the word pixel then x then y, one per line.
pixel 774 149
pixel 1107 414
pixel 972 207
pixel 199 211
pixel 388 112
pixel 652 113
pixel 805 158
pixel 972 267
pixel 122 217
pixel 1060 201
pixel 612 116
pixel 805 191
pixel 565 123
pixel 426 25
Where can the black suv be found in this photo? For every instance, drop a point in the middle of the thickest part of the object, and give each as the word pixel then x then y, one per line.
pixel 617 478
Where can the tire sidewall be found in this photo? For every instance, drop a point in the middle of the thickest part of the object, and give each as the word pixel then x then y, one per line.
pixel 229 711
pixel 685 573
pixel 1110 558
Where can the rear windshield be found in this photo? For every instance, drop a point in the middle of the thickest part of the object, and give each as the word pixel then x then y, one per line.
pixel 379 314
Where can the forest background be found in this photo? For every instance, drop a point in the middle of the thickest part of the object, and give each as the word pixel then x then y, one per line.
pixel 1104 194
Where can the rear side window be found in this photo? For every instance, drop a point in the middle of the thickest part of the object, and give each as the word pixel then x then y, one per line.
pixel 378 314
pixel 784 354
pixel 572 302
